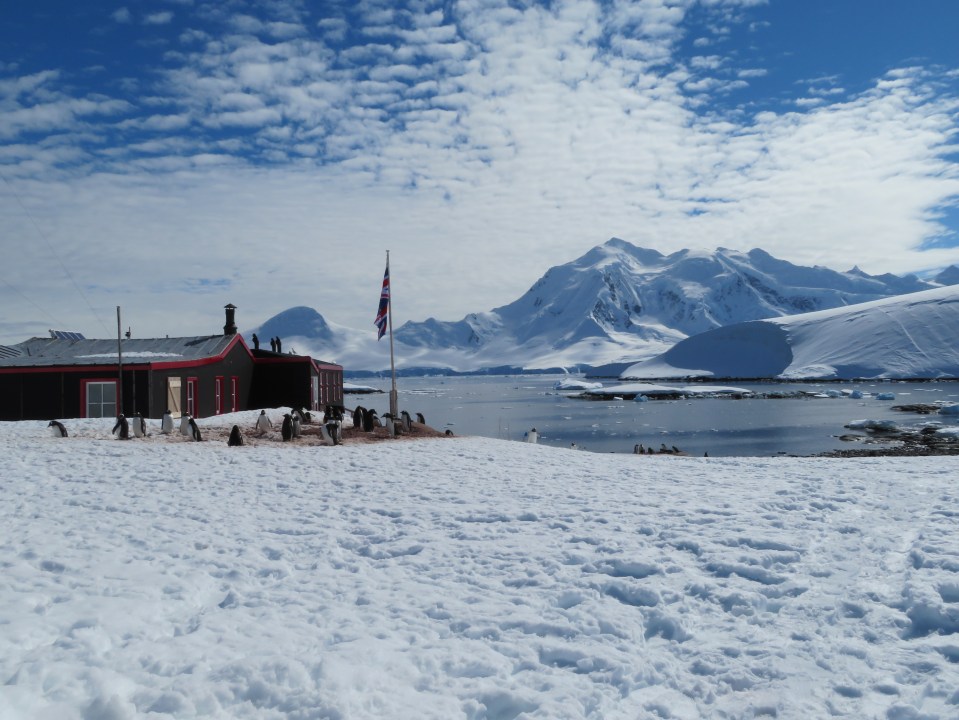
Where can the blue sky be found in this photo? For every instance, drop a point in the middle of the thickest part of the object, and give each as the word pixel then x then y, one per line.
pixel 172 156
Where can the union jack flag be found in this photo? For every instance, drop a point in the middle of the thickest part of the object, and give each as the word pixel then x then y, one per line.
pixel 384 308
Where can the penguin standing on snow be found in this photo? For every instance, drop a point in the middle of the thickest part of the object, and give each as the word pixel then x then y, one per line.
pixel 235 438
pixel 57 429
pixel 296 424
pixel 139 426
pixel 166 424
pixel 287 430
pixel 263 423
pixel 185 425
pixel 333 430
pixel 325 436
pixel 122 428
pixel 194 430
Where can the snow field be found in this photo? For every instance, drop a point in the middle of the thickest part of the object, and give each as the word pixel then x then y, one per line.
pixel 469 578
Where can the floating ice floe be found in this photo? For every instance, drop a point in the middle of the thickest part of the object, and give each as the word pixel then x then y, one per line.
pixel 874 425
pixel 885 396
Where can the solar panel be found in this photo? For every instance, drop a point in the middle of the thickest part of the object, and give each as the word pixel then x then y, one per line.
pixel 66 335
pixel 8 352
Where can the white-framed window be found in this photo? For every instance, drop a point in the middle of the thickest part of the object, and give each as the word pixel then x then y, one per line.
pixel 99 398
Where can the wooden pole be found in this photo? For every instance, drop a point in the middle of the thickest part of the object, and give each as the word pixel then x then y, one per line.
pixel 394 397
pixel 119 367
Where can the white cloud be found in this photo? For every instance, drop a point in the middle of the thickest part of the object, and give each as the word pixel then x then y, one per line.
pixel 158 18
pixel 481 145
pixel 121 15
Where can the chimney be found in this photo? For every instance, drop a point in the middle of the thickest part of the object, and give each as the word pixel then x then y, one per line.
pixel 230 327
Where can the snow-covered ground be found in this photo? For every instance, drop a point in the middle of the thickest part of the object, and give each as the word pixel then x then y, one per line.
pixel 468 578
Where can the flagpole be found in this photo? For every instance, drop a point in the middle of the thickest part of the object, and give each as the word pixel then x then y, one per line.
pixel 394 398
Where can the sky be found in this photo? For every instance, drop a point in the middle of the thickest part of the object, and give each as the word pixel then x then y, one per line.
pixel 174 156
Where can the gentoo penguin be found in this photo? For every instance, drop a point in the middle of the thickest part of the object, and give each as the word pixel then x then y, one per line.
pixel 375 419
pixel 663 448
pixel 638 449
pixel 296 424
pixel 333 430
pixel 302 414
pixel 368 420
pixel 122 428
pixel 325 436
pixel 235 438
pixel 287 429
pixel 57 429
pixel 166 425
pixel 194 430
pixel 263 422
pixel 406 422
pixel 139 426
pixel 358 416
pixel 532 436
pixel 185 425
pixel 420 419
pixel 449 433
pixel 390 426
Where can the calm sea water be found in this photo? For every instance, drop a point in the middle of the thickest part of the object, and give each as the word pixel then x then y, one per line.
pixel 507 406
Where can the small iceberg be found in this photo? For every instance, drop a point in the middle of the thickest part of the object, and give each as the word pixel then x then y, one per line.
pixel 573 384
pixel 885 396
pixel 873 425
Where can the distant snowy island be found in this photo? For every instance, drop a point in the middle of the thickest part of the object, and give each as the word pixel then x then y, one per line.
pixel 620 305
pixel 909 336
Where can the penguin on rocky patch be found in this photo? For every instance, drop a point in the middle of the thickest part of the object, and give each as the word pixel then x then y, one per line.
pixel 449 433
pixel 420 419
pixel 166 424
pixel 375 419
pixel 296 424
pixel 57 429
pixel 325 436
pixel 390 426
pixel 333 430
pixel 194 430
pixel 236 439
pixel 358 416
pixel 368 420
pixel 286 431
pixel 405 421
pixel 263 423
pixel 122 428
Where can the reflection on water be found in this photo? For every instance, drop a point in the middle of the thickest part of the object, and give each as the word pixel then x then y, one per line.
pixel 507 406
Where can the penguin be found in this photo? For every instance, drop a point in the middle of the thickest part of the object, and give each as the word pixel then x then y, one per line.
pixel 573 446
pixel 676 450
pixel 185 425
pixel 139 426
pixel 236 439
pixel 638 449
pixel 287 429
pixel 333 430
pixel 263 423
pixel 649 450
pixel 375 419
pixel 532 436
pixel 358 416
pixel 122 428
pixel 420 419
pixel 295 419
pixel 449 433
pixel 663 448
pixel 390 426
pixel 166 424
pixel 368 420
pixel 194 430
pixel 303 415
pixel 405 421
pixel 325 436
pixel 57 429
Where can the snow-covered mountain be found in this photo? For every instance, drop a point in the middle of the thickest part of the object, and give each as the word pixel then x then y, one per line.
pixel 617 303
pixel 909 336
